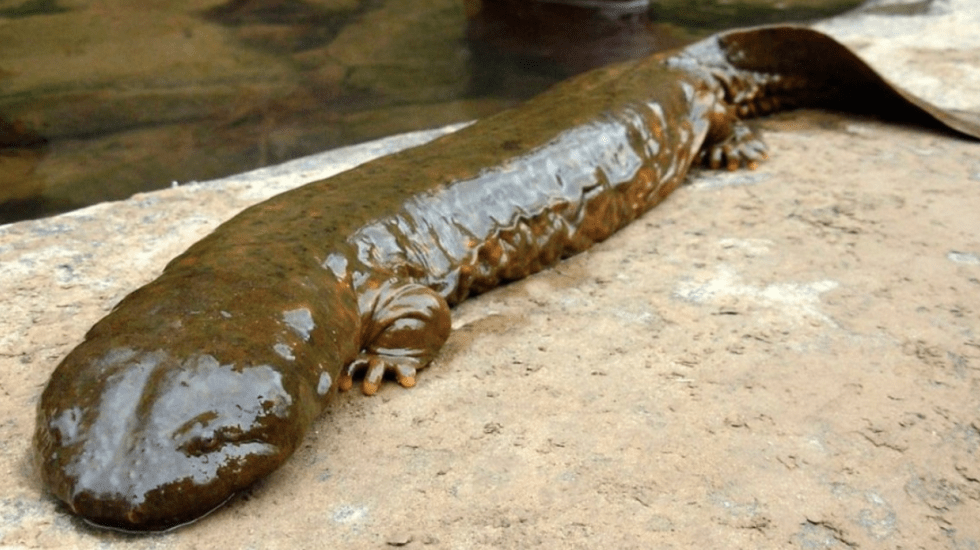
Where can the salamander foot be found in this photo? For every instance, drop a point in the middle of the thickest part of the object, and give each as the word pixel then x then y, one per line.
pixel 375 366
pixel 742 147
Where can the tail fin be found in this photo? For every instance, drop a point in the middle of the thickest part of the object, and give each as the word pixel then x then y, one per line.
pixel 837 78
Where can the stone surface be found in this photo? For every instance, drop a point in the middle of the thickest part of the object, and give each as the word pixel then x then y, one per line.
pixel 786 358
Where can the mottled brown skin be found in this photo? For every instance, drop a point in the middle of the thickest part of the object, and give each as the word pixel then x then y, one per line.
pixel 206 379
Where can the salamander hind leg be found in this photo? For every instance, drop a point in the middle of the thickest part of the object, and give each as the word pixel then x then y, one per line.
pixel 404 327
pixel 731 143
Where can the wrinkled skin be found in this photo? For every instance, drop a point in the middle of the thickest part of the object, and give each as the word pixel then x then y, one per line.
pixel 206 379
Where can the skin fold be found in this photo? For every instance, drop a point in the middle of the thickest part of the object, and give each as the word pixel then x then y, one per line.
pixel 207 378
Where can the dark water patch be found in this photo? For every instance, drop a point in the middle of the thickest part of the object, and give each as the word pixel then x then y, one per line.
pixel 15 210
pixel 284 26
pixel 32 7
pixel 96 108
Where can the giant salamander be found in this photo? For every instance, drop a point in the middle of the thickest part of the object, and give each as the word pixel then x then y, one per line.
pixel 207 378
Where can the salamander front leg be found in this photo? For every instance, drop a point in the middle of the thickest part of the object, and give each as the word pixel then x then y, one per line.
pixel 406 328
pixel 731 143
pixel 743 147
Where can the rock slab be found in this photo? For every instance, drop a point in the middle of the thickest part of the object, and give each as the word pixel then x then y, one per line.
pixel 786 358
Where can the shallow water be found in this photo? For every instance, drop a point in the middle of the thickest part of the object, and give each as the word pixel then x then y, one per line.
pixel 103 99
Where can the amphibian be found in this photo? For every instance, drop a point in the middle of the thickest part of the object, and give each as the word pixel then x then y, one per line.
pixel 207 378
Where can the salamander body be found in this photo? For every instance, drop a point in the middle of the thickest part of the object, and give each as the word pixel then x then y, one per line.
pixel 207 378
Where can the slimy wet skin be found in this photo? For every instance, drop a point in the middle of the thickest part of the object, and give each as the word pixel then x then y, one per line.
pixel 207 378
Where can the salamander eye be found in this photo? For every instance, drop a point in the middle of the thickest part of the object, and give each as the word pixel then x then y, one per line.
pixel 209 442
pixel 202 445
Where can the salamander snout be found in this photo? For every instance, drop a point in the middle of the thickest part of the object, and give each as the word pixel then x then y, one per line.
pixel 147 441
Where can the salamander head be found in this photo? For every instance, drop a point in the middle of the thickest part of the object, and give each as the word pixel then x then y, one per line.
pixel 144 441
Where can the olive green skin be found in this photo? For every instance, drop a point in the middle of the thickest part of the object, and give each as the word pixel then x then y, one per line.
pixel 206 379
